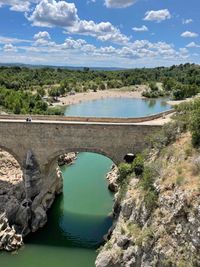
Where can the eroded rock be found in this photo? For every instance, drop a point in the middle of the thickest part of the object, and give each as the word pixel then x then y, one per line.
pixel 9 239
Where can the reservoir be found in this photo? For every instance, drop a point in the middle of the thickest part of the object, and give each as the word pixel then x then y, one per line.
pixel 118 107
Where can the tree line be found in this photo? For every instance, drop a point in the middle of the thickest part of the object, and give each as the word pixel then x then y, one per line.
pixel 22 89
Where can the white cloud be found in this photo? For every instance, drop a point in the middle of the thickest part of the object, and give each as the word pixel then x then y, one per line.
pixel 189 34
pixel 42 35
pixel 192 45
pixel 9 48
pixel 7 40
pixel 138 53
pixel 50 13
pixel 103 31
pixel 140 29
pixel 187 21
pixel 43 39
pixel 18 5
pixel 91 1
pixel 157 15
pixel 73 44
pixel 183 50
pixel 119 3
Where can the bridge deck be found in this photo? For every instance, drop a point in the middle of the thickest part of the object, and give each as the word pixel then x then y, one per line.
pixel 156 119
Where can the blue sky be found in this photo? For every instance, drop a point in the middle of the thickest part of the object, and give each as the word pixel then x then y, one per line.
pixel 106 33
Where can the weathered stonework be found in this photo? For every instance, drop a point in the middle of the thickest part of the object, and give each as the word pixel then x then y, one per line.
pixel 49 139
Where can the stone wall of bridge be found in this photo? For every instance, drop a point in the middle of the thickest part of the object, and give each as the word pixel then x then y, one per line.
pixel 50 139
pixel 37 145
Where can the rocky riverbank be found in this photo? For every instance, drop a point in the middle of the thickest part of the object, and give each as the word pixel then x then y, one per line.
pixel 67 159
pixel 24 209
pixel 163 228
pixel 9 239
pixel 112 179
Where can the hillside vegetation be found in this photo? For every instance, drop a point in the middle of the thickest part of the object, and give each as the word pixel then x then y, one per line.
pixel 22 89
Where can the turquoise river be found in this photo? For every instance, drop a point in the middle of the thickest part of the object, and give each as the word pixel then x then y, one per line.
pixel 79 218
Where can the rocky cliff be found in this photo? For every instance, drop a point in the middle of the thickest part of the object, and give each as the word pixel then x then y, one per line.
pixel 24 198
pixel 158 219
pixel 9 239
pixel 67 159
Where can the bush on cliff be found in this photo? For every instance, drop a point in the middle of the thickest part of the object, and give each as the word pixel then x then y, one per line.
pixel 189 114
pixel 169 133
pixel 195 127
pixel 147 184
pixel 124 170
pixel 138 165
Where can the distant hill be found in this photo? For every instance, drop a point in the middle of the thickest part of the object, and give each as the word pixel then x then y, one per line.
pixel 55 67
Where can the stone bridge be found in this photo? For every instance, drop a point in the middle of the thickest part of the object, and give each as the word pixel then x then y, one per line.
pixel 48 137
pixel 36 145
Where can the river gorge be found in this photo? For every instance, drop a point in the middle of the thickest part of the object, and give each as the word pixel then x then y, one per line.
pixel 79 218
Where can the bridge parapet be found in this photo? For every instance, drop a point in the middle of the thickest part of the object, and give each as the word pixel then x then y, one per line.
pixel 89 119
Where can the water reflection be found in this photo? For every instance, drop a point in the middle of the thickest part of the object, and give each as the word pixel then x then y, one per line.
pixel 66 229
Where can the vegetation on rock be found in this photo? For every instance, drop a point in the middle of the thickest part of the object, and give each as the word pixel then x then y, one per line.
pixel 158 220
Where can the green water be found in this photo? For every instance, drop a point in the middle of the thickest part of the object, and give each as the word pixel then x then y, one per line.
pixel 76 223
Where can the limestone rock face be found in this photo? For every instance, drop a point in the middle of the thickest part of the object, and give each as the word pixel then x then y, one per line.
pixel 112 179
pixel 142 239
pixel 25 199
pixel 40 218
pixel 67 159
pixel 32 176
pixel 9 240
pixel 164 232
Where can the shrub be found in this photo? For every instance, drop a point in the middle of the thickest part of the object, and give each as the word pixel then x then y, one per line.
pixel 124 170
pixel 147 184
pixel 196 165
pixel 167 135
pixel 195 127
pixel 147 179
pixel 138 165
pixel 179 180
pixel 150 199
pixel 153 86
pixel 178 94
pixel 189 113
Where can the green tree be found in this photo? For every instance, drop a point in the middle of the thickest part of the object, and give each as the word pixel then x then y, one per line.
pixel 195 127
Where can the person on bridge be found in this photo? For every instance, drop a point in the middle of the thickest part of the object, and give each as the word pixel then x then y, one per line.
pixel 29 119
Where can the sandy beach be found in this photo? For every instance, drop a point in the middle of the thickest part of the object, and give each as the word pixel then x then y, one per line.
pixel 88 96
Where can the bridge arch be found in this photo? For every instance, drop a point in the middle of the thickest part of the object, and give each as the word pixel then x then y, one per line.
pixel 13 154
